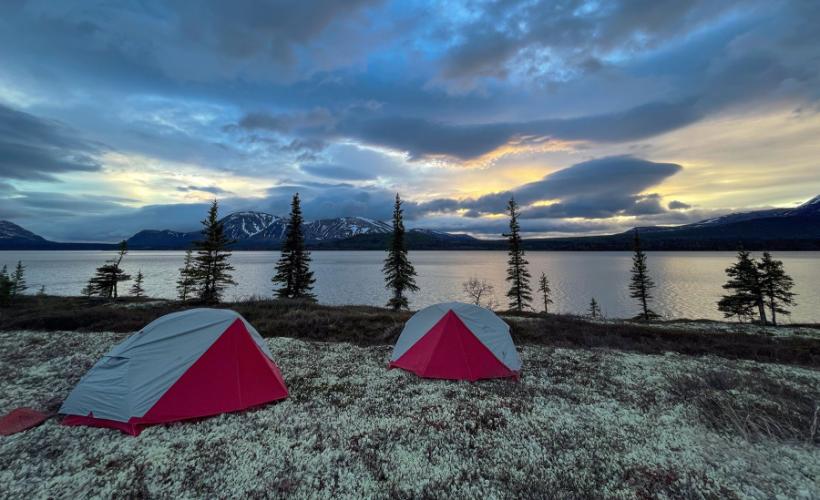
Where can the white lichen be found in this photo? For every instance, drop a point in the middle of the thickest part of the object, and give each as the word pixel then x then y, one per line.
pixel 579 423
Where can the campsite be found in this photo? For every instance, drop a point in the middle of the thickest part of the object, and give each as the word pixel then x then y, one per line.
pixel 460 249
pixel 632 413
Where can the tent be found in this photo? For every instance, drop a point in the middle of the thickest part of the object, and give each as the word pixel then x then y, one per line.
pixel 184 365
pixel 456 341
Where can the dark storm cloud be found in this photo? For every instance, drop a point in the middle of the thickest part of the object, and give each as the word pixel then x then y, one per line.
pixel 35 149
pixel 593 189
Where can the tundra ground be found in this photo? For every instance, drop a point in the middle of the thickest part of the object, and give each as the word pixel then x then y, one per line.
pixel 582 422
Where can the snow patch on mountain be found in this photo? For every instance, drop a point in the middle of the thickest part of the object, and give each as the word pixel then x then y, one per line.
pixel 11 231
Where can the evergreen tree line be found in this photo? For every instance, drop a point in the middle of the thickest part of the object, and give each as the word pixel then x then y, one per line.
pixel 757 290
pixel 760 289
pixel 12 284
pixel 206 270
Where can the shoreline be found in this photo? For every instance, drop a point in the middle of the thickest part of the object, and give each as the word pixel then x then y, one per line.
pixel 370 326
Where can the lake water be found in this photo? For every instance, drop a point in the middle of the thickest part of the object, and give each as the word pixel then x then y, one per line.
pixel 689 283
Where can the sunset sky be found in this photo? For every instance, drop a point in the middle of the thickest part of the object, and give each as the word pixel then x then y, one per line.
pixel 599 116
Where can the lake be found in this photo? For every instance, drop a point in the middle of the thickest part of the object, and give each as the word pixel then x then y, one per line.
pixel 689 283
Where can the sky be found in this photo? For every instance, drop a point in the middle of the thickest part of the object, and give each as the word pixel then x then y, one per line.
pixel 596 116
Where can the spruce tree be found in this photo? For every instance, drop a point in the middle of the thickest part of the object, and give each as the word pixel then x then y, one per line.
pixel 594 308
pixel 520 294
pixel 211 265
pixel 136 289
pixel 776 286
pixel 546 291
pixel 641 283
pixel 187 277
pixel 399 273
pixel 746 293
pixel 18 279
pixel 105 281
pixel 42 291
pixel 293 272
pixel 5 286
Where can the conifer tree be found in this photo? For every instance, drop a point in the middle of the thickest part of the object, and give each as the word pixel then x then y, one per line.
pixel 399 273
pixel 520 294
pixel 594 308
pixel 18 279
pixel 546 291
pixel 776 286
pixel 641 283
pixel 211 265
pixel 187 277
pixel 105 281
pixel 42 291
pixel 136 289
pixel 293 272
pixel 746 293
pixel 5 286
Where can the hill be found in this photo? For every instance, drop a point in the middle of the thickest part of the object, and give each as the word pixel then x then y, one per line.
pixel 774 229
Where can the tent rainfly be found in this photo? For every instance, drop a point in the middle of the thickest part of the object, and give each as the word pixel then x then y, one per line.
pixel 456 341
pixel 185 365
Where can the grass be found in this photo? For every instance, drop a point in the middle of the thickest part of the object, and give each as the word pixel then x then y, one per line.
pixel 581 423
pixel 365 326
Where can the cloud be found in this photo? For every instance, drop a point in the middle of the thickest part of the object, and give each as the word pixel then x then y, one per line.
pixel 368 96
pixel 32 148
pixel 216 190
pixel 205 41
pixel 555 41
pixel 598 188
pixel 678 205
pixel 421 137
pixel 336 172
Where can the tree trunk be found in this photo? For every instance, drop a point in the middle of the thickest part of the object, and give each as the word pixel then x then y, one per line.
pixel 761 307
pixel 774 313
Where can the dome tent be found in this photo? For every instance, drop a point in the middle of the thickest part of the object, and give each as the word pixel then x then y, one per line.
pixel 456 341
pixel 184 365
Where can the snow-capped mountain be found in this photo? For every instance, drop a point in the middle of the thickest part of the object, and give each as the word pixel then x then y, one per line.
pixel 10 231
pixel 248 225
pixel 795 228
pixel 343 227
pixel 259 230
pixel 811 207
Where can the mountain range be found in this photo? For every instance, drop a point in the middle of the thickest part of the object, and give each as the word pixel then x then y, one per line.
pixel 775 229
pixel 259 230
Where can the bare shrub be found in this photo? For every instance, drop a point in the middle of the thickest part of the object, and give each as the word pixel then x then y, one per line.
pixel 480 293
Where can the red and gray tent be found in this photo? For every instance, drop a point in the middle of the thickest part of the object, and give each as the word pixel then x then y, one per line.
pixel 456 341
pixel 185 365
